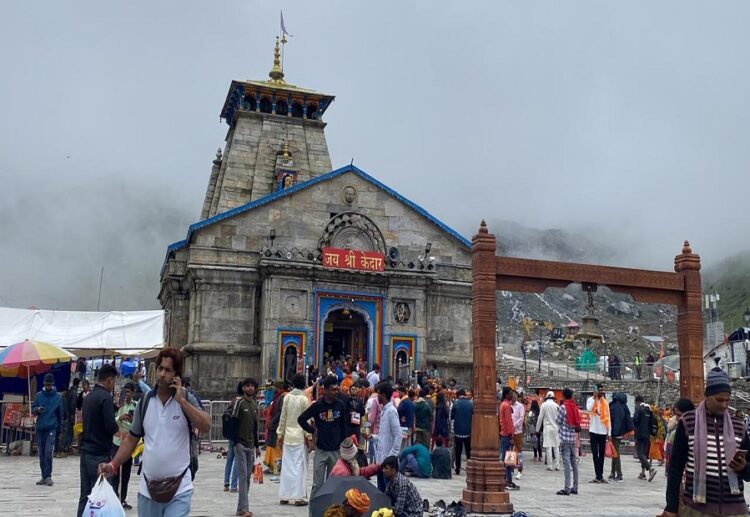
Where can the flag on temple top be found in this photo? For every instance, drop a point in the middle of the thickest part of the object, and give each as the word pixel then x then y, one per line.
pixel 283 27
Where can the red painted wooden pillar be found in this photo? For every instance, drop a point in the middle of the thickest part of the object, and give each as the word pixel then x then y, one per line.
pixel 485 476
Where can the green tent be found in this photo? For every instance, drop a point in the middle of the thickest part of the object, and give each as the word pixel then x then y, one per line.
pixel 586 361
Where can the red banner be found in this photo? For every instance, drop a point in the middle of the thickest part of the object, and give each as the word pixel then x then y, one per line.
pixel 353 259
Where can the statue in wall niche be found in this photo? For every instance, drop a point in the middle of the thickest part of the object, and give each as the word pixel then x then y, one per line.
pixel 401 313
pixel 287 182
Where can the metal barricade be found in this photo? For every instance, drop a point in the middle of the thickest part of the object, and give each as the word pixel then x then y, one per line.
pixel 216 409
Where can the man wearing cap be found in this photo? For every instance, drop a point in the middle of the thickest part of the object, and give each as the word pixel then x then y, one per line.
pixel 600 428
pixel 48 409
pixel 711 447
pixel 547 421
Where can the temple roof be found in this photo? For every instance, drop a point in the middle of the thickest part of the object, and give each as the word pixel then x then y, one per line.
pixel 276 87
pixel 302 186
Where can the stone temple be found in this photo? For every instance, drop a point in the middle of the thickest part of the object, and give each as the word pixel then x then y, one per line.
pixel 292 262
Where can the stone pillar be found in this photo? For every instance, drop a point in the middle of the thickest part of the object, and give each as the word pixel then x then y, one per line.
pixel 485 475
pixel 690 325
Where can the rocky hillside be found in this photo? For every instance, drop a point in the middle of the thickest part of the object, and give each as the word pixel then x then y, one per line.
pixel 622 321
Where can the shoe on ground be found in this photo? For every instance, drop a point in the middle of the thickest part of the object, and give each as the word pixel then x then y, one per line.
pixel 284 501
pixel 549 468
pixel 594 481
pixel 300 502
pixel 602 480
pixel 651 474
pixel 574 491
pixel 612 477
pixel 641 476
pixel 563 492
pixel 233 490
pixel 512 486
pixel 226 488
pixel 126 505
pixel 49 482
pixel 41 482
pixel 618 479
pixel 519 475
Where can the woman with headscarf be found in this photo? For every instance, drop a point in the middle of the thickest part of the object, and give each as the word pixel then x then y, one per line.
pixel 347 464
pixel 272 458
pixel 656 448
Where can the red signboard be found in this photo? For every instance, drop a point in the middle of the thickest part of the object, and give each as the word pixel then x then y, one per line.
pixel 353 259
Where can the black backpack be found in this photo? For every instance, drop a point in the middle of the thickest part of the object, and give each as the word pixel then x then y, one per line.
pixel 653 424
pixel 230 424
pixel 143 406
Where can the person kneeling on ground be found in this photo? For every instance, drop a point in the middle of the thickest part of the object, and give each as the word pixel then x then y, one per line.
pixel 405 498
pixel 417 460
pixel 347 464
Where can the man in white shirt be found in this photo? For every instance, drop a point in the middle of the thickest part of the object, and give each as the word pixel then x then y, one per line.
pixel 551 436
pixel 600 428
pixel 374 376
pixel 296 442
pixel 389 440
pixel 165 427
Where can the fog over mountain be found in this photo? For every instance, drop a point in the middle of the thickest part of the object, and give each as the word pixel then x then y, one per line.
pixel 602 132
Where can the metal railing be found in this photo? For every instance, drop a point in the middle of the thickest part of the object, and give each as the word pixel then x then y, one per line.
pixel 215 409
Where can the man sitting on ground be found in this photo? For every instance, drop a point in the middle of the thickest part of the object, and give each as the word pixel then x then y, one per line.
pixel 405 498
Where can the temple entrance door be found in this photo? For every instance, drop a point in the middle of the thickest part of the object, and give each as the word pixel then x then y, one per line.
pixel 290 363
pixel 345 334
pixel 402 366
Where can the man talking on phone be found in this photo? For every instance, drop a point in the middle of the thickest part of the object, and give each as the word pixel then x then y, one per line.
pixel 164 418
pixel 715 461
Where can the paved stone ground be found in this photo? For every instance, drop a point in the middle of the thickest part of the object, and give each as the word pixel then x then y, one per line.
pixel 20 496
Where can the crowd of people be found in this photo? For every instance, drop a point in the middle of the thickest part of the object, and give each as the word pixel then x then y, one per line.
pixel 358 424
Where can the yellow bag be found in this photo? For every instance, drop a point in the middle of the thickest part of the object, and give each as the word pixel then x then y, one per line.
pixel 77 429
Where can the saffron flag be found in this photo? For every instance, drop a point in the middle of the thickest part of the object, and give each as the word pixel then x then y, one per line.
pixel 283 27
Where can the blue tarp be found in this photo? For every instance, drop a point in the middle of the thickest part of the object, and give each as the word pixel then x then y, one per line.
pixel 19 386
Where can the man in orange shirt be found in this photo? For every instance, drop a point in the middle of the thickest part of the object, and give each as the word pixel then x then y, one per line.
pixel 506 434
pixel 347 381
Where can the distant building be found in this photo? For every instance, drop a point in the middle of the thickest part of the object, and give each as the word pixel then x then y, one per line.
pixel 732 354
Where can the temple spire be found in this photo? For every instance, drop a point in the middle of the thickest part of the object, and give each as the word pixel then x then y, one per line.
pixel 276 74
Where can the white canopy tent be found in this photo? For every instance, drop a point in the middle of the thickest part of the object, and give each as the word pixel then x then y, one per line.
pixel 85 333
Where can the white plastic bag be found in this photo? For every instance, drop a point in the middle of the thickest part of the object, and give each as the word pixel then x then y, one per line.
pixel 103 502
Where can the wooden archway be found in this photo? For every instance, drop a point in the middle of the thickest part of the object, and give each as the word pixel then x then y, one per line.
pixel 485 481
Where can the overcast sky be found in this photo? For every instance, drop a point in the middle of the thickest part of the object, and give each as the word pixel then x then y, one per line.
pixel 628 120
